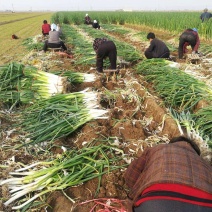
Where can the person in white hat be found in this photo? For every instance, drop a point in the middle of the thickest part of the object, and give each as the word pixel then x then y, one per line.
pixel 96 24
pixel 87 19
pixel 54 40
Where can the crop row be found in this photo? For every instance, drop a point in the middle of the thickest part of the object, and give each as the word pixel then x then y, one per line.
pixel 175 22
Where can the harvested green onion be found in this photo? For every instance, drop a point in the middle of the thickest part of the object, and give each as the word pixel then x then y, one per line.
pixel 70 169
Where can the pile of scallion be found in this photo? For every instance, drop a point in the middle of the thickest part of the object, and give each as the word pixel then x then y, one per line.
pixel 26 84
pixel 197 126
pixel 181 92
pixel 72 168
pixel 59 116
pixel 34 43
pixel 203 120
pixel 178 89
pixel 75 77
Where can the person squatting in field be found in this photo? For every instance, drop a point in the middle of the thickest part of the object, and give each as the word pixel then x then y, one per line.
pixel 87 19
pixel 105 48
pixel 170 178
pixel 189 37
pixel 54 40
pixel 157 48
pixel 46 28
pixel 96 24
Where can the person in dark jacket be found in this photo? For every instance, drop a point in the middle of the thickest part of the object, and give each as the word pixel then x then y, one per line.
pixel 46 28
pixel 87 19
pixel 189 37
pixel 205 15
pixel 96 25
pixel 157 48
pixel 104 48
pixel 170 178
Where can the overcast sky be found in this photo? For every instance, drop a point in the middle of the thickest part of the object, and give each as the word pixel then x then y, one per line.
pixel 89 5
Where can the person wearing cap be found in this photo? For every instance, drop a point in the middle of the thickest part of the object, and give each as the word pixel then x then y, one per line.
pixel 46 28
pixel 205 15
pixel 105 48
pixel 87 19
pixel 189 37
pixel 157 48
pixel 170 177
pixel 96 25
pixel 54 40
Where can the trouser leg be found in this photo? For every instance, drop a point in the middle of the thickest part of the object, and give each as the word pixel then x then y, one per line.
pixel 63 45
pixel 165 55
pixel 180 48
pixel 45 46
pixel 148 55
pixel 113 58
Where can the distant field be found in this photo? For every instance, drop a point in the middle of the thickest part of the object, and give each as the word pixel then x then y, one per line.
pixel 7 17
pixel 24 25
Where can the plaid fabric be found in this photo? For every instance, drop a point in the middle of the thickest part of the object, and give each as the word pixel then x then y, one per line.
pixel 97 42
pixel 168 163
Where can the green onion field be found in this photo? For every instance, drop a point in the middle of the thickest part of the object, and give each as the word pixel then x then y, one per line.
pixel 68 133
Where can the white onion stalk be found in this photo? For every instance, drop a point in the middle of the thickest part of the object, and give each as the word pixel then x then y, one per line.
pixel 71 169
pixel 97 114
pixel 49 83
pixel 28 167
pixel 89 77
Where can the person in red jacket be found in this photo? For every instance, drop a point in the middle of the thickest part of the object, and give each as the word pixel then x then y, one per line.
pixel 170 178
pixel 189 37
pixel 46 28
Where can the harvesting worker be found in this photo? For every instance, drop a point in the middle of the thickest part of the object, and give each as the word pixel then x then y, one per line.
pixel 157 48
pixel 54 40
pixel 46 28
pixel 205 15
pixel 189 37
pixel 105 48
pixel 96 24
pixel 87 19
pixel 170 178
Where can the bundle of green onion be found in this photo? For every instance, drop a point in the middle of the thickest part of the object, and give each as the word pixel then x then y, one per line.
pixel 70 169
pixel 34 42
pixel 24 84
pixel 47 84
pixel 178 89
pixel 59 116
pixel 196 126
pixel 76 77
pixel 203 120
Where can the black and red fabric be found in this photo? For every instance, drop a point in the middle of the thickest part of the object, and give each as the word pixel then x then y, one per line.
pixel 188 38
pixel 105 49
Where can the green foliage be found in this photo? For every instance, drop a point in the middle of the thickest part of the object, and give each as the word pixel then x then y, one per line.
pixel 31 43
pixel 175 22
pixel 178 89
